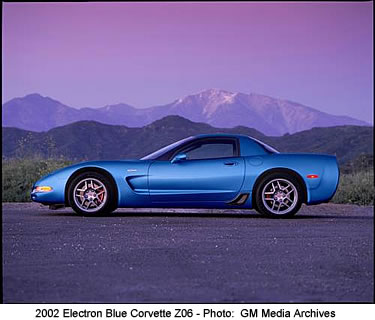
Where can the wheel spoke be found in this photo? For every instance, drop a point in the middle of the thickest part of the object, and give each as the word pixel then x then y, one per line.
pixel 289 192
pixel 285 204
pixel 278 184
pixel 273 187
pixel 273 205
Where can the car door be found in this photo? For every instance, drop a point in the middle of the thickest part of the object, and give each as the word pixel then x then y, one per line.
pixel 213 171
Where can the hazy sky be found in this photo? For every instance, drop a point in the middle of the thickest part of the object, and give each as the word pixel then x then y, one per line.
pixel 93 54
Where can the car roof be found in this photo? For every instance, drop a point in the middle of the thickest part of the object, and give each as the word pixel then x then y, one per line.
pixel 219 135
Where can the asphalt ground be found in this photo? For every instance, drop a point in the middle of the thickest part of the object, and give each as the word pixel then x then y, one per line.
pixel 324 254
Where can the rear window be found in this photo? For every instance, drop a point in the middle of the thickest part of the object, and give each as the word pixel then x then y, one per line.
pixel 266 147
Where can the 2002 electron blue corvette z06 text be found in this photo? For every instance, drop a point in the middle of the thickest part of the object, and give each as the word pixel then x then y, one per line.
pixel 205 171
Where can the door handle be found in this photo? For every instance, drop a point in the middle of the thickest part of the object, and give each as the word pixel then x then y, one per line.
pixel 231 163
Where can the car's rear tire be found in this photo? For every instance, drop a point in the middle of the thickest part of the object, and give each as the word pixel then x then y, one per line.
pixel 279 195
pixel 91 194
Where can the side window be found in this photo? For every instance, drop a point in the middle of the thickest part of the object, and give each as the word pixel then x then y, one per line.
pixel 211 150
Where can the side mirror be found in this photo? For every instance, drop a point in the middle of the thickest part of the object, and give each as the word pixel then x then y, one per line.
pixel 179 157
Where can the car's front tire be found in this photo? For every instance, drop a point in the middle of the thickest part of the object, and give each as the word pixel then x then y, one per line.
pixel 91 193
pixel 279 195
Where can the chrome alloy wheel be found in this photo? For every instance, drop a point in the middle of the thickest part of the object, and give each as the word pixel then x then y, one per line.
pixel 279 196
pixel 90 195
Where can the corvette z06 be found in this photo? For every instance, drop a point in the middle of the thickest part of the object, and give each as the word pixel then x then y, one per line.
pixel 206 171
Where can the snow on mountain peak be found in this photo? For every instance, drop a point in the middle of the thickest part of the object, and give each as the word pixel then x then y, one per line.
pixel 213 98
pixel 214 93
pixel 210 99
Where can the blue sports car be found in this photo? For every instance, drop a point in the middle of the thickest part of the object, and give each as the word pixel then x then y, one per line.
pixel 205 171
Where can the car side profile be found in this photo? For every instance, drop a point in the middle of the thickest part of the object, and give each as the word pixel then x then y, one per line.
pixel 206 171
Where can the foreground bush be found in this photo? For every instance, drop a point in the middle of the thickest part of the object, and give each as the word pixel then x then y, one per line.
pixel 356 188
pixel 19 175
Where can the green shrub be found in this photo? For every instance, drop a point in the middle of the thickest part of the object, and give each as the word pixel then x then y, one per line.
pixel 19 175
pixel 356 188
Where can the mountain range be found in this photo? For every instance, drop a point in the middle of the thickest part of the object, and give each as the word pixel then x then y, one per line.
pixel 218 108
pixel 89 140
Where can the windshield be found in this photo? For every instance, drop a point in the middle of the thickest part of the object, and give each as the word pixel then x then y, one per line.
pixel 160 152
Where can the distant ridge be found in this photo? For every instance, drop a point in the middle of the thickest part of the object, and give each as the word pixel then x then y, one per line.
pixel 92 140
pixel 216 107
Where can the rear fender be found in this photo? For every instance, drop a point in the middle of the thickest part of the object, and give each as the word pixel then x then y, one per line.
pixel 318 189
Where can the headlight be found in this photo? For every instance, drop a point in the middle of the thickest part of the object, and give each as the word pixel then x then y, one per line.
pixel 42 189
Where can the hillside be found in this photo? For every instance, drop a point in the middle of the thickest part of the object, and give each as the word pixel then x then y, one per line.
pixel 93 140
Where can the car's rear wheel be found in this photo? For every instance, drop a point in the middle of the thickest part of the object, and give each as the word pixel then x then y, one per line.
pixel 279 195
pixel 91 193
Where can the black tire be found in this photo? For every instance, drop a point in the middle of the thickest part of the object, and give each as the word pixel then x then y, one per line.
pixel 280 197
pixel 108 203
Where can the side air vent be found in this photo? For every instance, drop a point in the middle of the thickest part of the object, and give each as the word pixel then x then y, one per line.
pixel 240 199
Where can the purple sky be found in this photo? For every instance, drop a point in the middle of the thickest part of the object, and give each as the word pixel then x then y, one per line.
pixel 93 54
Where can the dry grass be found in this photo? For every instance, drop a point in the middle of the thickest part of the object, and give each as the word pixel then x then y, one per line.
pixel 19 175
pixel 356 188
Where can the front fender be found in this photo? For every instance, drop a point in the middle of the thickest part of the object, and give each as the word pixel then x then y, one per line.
pixel 57 180
pixel 121 172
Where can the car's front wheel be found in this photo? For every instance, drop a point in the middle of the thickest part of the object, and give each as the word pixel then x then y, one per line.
pixel 279 195
pixel 91 193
